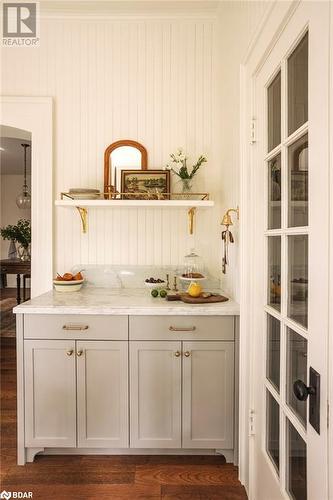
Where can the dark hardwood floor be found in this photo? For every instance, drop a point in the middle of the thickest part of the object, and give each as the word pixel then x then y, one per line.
pixel 106 477
pixel 7 318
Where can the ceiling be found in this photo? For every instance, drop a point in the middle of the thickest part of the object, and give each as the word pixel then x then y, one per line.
pixel 12 156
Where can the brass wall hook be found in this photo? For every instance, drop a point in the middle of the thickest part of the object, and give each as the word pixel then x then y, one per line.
pixel 227 220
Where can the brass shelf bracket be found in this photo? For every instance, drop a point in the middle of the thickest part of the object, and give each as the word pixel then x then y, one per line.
pixel 84 218
pixel 191 216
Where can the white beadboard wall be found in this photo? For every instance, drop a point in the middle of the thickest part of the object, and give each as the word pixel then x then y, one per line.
pixel 148 80
pixel 161 81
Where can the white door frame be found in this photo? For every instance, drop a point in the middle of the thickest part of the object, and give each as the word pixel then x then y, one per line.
pixel 34 114
pixel 275 20
pixel 330 291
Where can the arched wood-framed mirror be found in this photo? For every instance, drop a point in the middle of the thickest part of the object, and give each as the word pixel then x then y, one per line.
pixel 119 155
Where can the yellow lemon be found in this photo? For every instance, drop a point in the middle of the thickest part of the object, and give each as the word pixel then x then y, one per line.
pixel 194 289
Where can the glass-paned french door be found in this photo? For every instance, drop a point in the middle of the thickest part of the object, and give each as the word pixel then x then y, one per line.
pixel 288 251
pixel 286 237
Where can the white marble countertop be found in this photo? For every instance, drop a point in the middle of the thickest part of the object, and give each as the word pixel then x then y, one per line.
pixel 125 301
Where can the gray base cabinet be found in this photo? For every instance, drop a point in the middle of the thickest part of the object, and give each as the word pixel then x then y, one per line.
pixel 76 394
pixel 155 394
pixel 145 382
pixel 208 394
pixel 181 394
pixel 102 394
pixel 50 393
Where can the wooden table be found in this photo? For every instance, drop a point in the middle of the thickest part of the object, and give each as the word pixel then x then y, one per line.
pixel 18 267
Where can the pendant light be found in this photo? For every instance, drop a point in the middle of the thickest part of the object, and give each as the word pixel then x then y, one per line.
pixel 24 199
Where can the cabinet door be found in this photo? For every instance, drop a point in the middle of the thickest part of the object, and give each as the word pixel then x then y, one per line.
pixel 155 394
pixel 208 394
pixel 102 392
pixel 50 399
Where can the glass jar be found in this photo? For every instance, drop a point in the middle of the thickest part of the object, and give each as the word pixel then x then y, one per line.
pixel 193 268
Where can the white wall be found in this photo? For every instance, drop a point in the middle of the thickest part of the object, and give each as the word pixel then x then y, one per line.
pixel 11 186
pixel 161 80
pixel 151 81
pixel 238 22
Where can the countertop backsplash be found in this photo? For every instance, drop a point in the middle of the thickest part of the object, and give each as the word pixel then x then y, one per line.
pixel 121 276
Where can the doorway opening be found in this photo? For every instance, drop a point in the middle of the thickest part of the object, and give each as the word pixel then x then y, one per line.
pixel 15 222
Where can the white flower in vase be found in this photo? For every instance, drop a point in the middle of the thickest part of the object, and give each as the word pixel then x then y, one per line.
pixel 178 166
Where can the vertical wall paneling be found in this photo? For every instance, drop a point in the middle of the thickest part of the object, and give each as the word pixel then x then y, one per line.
pixel 155 80
pixel 237 24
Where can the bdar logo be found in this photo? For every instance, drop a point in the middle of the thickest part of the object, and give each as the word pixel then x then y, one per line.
pixel 5 494
pixel 15 494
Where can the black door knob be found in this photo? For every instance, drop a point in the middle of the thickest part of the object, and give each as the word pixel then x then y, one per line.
pixel 301 391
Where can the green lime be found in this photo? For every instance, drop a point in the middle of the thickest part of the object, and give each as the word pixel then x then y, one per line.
pixel 163 293
pixel 154 293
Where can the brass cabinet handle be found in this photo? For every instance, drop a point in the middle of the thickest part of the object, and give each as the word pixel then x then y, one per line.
pixel 69 353
pixel 187 354
pixel 75 327
pixel 175 329
pixel 177 354
pixel 79 353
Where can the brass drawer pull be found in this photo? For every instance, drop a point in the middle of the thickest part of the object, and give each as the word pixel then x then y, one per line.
pixel 75 327
pixel 69 353
pixel 175 329
pixel 177 354
pixel 187 354
pixel 79 353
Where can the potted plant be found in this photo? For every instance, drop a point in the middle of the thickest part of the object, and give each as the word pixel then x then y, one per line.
pixel 178 166
pixel 21 233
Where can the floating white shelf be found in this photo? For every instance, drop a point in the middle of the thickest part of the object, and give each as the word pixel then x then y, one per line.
pixel 83 205
pixel 135 203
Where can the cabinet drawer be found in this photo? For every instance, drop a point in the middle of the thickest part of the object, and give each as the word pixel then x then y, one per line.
pixel 75 326
pixel 181 328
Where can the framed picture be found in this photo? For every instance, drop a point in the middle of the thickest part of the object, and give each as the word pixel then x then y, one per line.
pixel 145 184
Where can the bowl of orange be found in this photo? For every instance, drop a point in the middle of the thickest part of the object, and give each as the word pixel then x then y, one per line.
pixel 68 282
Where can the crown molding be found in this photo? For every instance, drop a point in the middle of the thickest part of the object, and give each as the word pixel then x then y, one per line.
pixel 129 9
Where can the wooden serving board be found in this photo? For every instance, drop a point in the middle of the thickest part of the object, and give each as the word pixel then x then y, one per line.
pixel 185 297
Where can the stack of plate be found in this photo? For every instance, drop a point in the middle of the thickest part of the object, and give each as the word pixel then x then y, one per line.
pixel 84 194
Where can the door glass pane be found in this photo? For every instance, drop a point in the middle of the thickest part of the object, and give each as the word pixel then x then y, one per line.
pixel 273 430
pixel 298 86
pixel 296 464
pixel 298 183
pixel 274 272
pixel 274 193
pixel 296 370
pixel 273 351
pixel 298 279
pixel 274 112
